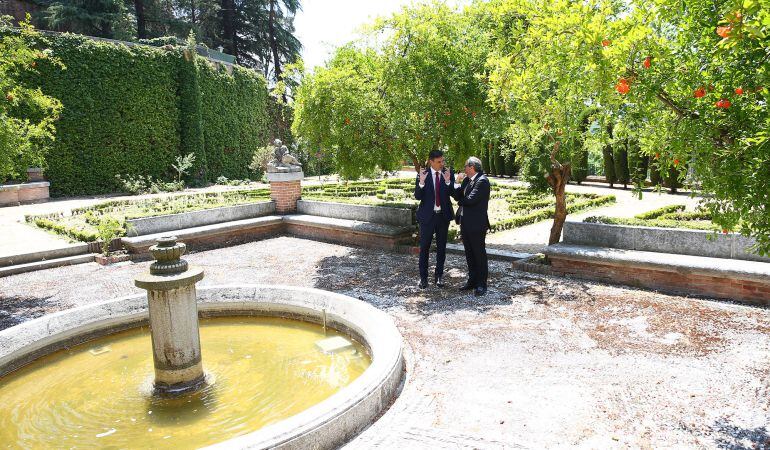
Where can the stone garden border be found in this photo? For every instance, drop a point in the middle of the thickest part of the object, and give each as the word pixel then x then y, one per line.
pixel 661 240
pixel 325 425
pixel 159 224
pixel 400 217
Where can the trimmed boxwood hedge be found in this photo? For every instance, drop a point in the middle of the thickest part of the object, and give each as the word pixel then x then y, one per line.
pixel 131 110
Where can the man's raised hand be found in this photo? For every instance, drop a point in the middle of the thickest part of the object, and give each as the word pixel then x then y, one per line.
pixel 447 175
pixel 460 178
pixel 423 176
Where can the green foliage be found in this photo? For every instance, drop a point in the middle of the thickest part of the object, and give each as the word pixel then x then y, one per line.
pixel 261 157
pixel 620 160
pixel 126 123
pixel 133 110
pixel 102 18
pixel 510 206
pixel 256 32
pixel 190 111
pixel 413 89
pixel 638 163
pixel 655 213
pixel 658 223
pixel 27 116
pixel 670 216
pixel 234 117
pixel 609 164
pixel 183 165
pixel 139 185
pixel 108 228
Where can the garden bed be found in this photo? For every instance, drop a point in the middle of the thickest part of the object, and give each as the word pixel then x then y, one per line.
pixel 85 224
pixel 671 216
pixel 509 207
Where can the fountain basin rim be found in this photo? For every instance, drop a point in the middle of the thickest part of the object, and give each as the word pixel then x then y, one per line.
pixel 325 425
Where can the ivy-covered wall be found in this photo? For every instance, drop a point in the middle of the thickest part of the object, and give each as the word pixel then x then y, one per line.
pixel 235 118
pixel 131 110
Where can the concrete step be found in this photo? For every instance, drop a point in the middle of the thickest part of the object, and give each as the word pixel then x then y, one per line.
pixel 206 234
pixel 348 225
pixel 46 264
pixel 492 253
pixel 45 255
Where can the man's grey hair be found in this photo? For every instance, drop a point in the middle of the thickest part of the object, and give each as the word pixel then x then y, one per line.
pixel 475 162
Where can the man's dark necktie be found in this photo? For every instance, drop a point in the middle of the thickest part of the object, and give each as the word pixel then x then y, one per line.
pixel 438 200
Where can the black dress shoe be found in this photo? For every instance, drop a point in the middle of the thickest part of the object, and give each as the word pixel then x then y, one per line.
pixel 423 284
pixel 467 287
pixel 440 281
pixel 480 291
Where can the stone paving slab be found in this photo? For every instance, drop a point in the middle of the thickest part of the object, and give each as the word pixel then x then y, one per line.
pixel 540 362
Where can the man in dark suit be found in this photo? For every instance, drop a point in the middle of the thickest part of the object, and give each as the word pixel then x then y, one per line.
pixel 433 188
pixel 472 195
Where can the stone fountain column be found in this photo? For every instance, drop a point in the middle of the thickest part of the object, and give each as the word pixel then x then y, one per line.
pixel 176 347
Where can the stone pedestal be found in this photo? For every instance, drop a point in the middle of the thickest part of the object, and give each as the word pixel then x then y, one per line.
pixel 176 347
pixel 285 190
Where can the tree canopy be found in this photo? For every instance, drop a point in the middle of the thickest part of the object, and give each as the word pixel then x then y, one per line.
pixel 409 86
pixel 259 33
pixel 682 84
pixel 27 116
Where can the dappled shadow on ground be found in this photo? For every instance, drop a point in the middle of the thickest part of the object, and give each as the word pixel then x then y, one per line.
pixel 389 280
pixel 732 437
pixel 15 310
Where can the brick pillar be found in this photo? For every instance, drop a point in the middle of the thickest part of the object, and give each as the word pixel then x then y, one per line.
pixel 285 190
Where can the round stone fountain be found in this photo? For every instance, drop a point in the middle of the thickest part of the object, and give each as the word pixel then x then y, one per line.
pixel 285 367
pixel 173 308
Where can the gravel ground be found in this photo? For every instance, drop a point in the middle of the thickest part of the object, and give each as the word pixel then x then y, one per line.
pixel 538 362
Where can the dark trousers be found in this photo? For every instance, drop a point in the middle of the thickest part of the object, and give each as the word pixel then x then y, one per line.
pixel 476 256
pixel 439 226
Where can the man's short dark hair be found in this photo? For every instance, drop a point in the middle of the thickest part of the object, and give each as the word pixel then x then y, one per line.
pixel 435 154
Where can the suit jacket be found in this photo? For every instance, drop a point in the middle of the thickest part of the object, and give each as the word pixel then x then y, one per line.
pixel 474 201
pixel 427 197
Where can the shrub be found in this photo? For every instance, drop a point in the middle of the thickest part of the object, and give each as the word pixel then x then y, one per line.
pixel 108 229
pixel 655 213
pixel 620 161
pixel 660 223
pixel 27 116
pixel 146 185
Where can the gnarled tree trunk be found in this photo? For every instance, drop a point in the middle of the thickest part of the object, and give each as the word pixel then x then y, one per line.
pixel 557 179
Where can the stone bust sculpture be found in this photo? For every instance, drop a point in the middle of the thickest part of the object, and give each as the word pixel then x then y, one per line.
pixel 282 160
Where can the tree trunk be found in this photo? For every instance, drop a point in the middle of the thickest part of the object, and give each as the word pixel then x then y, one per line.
pixel 274 42
pixel 141 22
pixel 558 179
pixel 228 26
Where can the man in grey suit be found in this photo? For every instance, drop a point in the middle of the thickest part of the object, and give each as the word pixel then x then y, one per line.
pixel 472 191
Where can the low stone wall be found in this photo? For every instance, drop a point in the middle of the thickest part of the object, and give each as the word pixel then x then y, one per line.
pixel 160 224
pixel 661 240
pixel 15 194
pixel 674 279
pixel 368 235
pixel 400 217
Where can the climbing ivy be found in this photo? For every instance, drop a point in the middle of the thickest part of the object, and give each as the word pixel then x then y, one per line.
pixel 131 110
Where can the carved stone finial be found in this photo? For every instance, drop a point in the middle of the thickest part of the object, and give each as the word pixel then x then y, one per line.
pixel 167 254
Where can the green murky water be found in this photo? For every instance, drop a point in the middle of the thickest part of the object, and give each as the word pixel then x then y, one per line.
pixel 96 395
